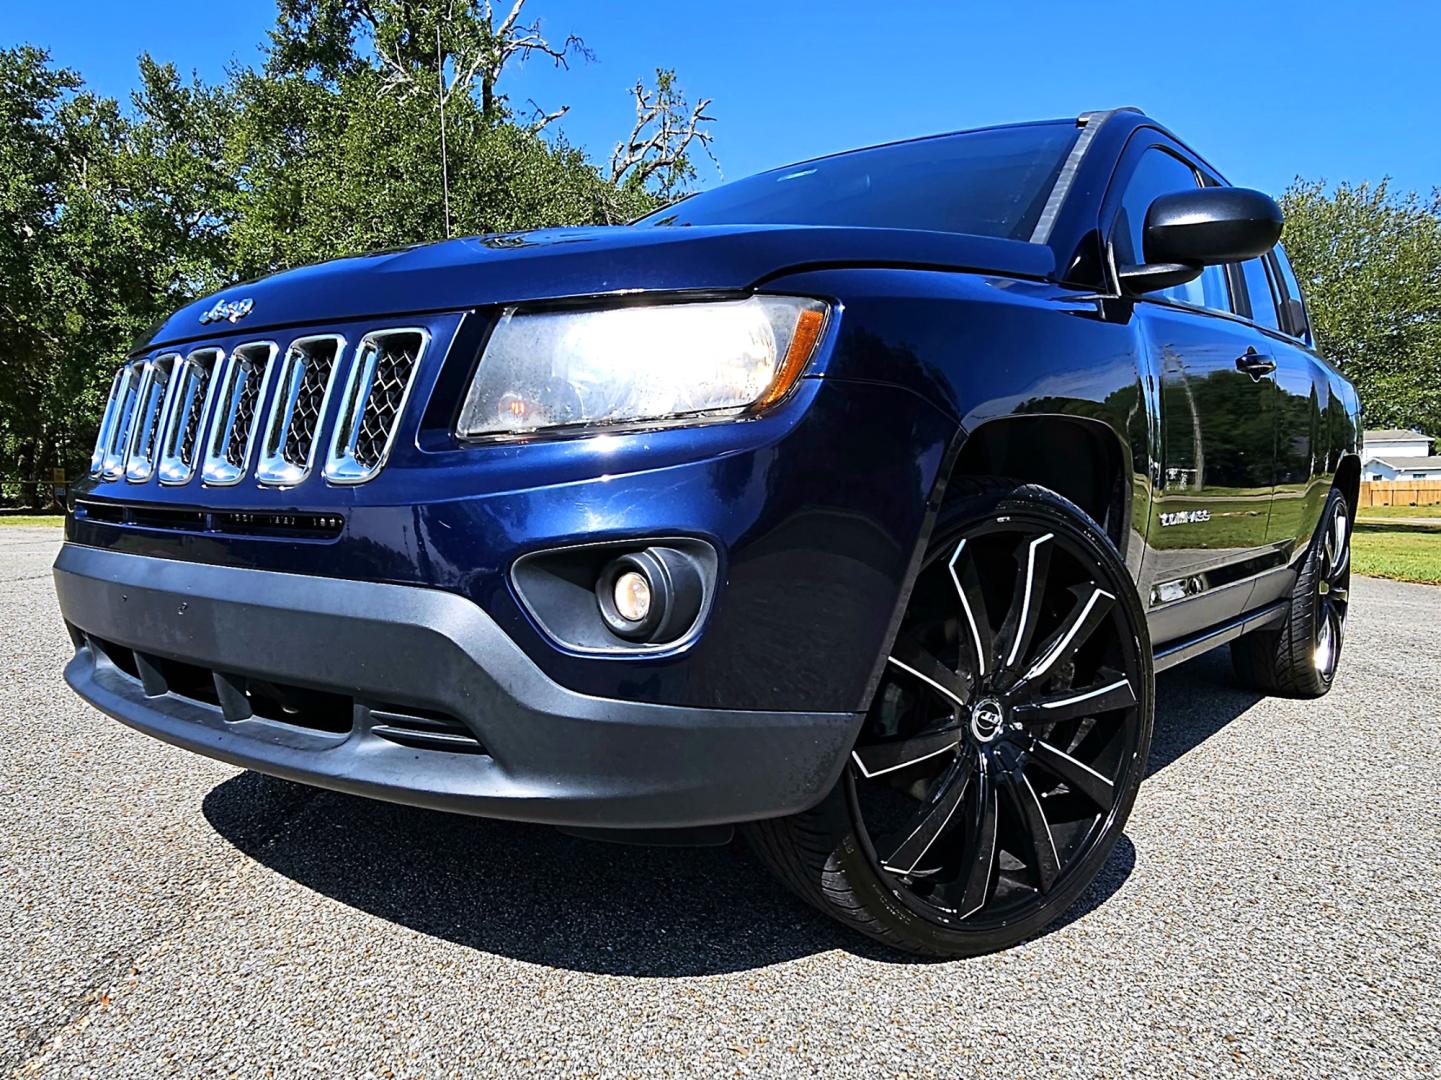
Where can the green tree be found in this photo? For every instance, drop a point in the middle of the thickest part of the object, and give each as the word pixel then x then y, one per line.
pixel 107 222
pixel 1370 264
pixel 338 138
pixel 111 216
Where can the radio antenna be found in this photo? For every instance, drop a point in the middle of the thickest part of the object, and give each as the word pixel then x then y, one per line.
pixel 444 161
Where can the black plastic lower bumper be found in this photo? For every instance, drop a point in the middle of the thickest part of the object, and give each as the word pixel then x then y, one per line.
pixel 539 752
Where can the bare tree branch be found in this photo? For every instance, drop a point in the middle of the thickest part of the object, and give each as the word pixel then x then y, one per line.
pixel 539 118
pixel 666 126
pixel 474 49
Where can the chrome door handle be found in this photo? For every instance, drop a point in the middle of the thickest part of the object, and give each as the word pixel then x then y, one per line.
pixel 1255 364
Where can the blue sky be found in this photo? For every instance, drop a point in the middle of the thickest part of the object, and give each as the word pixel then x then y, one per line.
pixel 1266 92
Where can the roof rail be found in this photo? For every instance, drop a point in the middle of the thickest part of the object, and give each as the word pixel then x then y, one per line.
pixel 1096 117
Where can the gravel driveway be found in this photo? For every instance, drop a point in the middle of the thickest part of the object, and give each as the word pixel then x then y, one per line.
pixel 1273 910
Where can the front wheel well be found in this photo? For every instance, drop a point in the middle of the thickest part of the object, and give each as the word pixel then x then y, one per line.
pixel 1078 458
pixel 1348 480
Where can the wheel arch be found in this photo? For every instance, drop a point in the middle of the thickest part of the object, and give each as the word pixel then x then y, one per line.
pixel 1078 457
pixel 1348 480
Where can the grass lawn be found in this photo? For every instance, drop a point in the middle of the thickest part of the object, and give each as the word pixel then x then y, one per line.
pixel 31 519
pixel 1399 511
pixel 1400 554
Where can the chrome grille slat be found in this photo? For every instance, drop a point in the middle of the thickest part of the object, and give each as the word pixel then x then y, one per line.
pixel 113 442
pixel 150 414
pixel 191 384
pixel 303 383
pixel 107 424
pixel 239 390
pixel 221 414
pixel 376 392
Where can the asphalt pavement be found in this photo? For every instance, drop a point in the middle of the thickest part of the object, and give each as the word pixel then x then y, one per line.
pixel 1274 909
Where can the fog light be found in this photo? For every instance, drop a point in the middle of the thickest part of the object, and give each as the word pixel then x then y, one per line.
pixel 652 595
pixel 632 596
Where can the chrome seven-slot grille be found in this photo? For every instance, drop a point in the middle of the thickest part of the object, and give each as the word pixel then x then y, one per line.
pixel 174 414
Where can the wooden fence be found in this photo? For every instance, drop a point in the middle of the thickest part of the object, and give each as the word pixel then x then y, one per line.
pixel 1400 493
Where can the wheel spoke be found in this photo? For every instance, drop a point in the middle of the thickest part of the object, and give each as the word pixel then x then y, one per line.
pixel 890 756
pixel 911 843
pixel 1327 643
pixel 1046 862
pixel 976 625
pixel 980 845
pixel 1076 774
pixel 1092 605
pixel 1343 562
pixel 910 656
pixel 1113 691
pixel 1033 562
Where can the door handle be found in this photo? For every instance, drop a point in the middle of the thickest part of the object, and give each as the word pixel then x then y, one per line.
pixel 1255 364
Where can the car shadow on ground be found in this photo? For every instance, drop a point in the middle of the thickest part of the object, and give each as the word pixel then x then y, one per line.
pixel 534 894
pixel 1193 702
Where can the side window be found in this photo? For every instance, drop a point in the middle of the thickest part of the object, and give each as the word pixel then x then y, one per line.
pixel 1160 173
pixel 1298 319
pixel 1264 309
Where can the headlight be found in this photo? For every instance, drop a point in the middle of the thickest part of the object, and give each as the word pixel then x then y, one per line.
pixel 639 364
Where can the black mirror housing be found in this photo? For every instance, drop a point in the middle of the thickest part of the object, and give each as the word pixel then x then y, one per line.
pixel 1211 225
pixel 1148 277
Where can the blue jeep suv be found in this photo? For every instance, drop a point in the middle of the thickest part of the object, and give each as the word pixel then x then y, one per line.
pixel 855 503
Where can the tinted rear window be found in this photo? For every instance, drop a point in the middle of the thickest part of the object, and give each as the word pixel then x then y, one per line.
pixel 989 183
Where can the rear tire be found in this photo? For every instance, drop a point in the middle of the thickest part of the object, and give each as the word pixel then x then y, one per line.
pixel 1007 738
pixel 1299 659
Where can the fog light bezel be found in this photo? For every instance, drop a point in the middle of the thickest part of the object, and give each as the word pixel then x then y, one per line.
pixel 561 590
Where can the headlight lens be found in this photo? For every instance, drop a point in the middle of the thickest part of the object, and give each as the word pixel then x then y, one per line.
pixel 661 362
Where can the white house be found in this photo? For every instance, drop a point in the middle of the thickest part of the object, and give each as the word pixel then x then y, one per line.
pixel 1398 455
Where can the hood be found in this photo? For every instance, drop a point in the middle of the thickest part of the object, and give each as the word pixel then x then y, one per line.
pixel 561 263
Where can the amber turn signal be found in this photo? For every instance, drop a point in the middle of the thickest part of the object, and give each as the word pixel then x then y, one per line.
pixel 809 324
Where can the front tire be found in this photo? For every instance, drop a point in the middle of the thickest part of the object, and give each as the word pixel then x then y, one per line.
pixel 1005 743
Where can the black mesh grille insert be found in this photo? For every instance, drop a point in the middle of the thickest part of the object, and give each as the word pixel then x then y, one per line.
pixel 247 396
pixel 394 364
pixel 309 400
pixel 191 437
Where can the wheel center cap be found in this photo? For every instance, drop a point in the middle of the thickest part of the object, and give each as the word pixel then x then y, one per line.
pixel 986 719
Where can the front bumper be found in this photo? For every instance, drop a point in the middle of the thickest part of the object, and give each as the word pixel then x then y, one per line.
pixel 542 753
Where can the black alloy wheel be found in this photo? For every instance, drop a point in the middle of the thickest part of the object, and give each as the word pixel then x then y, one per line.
pixel 1300 656
pixel 1333 589
pixel 1006 739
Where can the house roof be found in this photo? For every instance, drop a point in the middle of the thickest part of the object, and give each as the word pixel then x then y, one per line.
pixel 1410 464
pixel 1395 435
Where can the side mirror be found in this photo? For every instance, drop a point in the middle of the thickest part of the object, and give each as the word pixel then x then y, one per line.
pixel 1190 230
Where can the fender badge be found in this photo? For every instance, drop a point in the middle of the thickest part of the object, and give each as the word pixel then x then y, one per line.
pixel 1185 517
pixel 227 311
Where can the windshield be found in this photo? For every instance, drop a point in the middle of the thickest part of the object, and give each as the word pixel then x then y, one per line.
pixel 993 182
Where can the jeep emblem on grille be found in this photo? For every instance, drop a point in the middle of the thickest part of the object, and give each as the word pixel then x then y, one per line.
pixel 228 311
